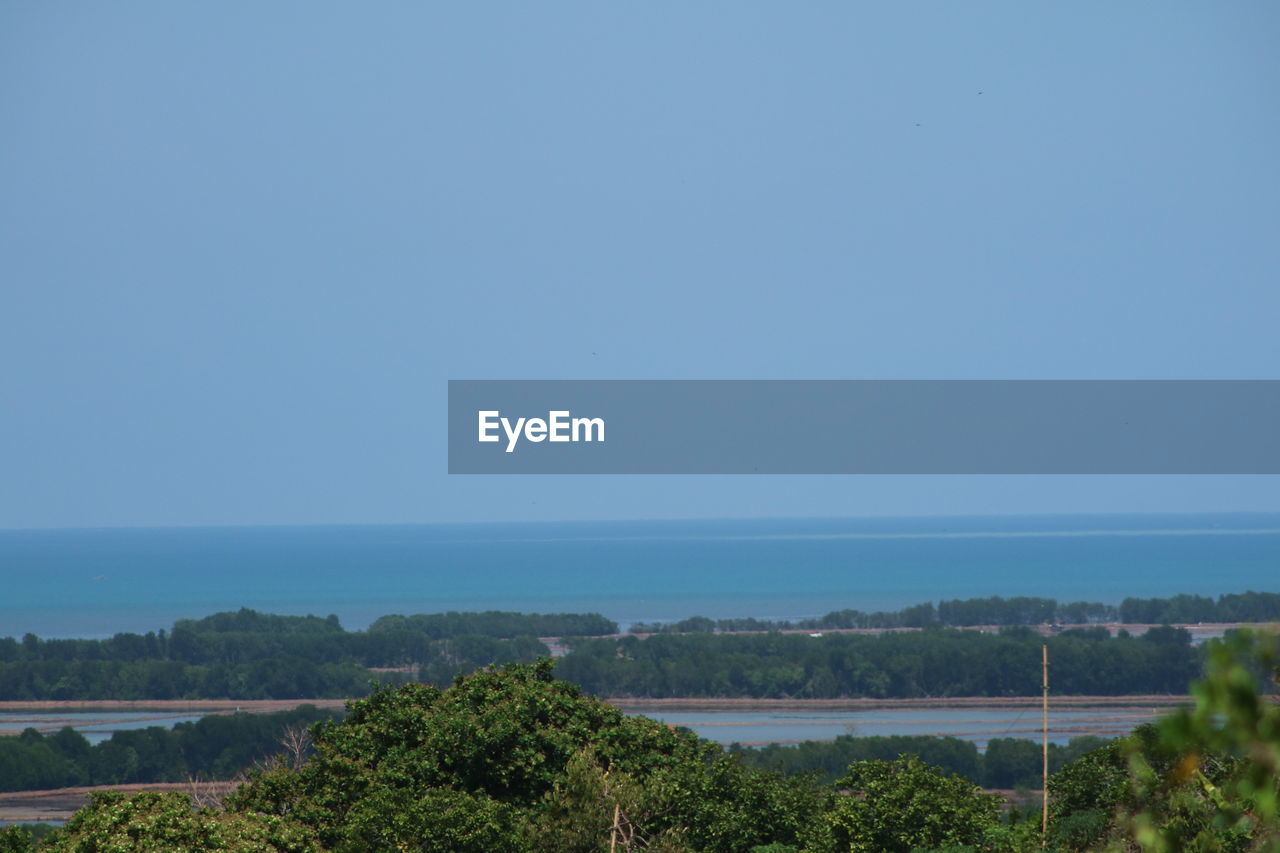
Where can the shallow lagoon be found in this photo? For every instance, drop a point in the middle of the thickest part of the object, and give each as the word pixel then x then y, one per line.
pixel 96 726
pixel 746 727
pixel 978 725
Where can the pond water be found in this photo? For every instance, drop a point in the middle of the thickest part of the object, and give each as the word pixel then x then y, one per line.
pixel 977 725
pixel 96 726
pixel 747 727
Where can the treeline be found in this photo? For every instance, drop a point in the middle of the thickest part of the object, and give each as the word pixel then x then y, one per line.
pixel 957 613
pixel 515 760
pixel 1246 607
pixel 271 678
pixel 251 655
pixel 932 663
pixel 494 623
pixel 1008 762
pixel 214 747
pixel 935 662
pixel 995 610
pixel 247 635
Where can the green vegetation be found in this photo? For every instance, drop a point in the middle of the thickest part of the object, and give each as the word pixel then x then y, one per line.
pixel 1008 762
pixel 904 805
pixel 1205 778
pixel 251 655
pixel 938 662
pixel 214 747
pixel 223 746
pixel 931 663
pixel 166 822
pixel 997 611
pixel 269 678
pixel 514 760
pixel 499 624
pixel 1249 607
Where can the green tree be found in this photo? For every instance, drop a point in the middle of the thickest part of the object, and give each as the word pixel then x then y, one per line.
pixel 16 839
pixel 1211 779
pixel 898 806
pixel 514 754
pixel 1085 795
pixel 1202 779
pixel 1012 763
pixel 153 821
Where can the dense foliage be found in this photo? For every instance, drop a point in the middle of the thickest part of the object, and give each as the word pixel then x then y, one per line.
pixel 153 821
pixel 1007 762
pixel 494 623
pixel 934 663
pixel 1248 607
pixel 513 760
pixel 997 611
pixel 269 678
pixel 903 805
pixel 517 761
pixel 214 747
pixel 1206 778
pixel 251 655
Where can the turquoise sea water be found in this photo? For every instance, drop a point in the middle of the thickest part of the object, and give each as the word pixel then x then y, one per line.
pixel 96 582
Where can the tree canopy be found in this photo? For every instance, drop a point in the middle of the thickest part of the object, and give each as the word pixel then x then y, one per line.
pixel 512 759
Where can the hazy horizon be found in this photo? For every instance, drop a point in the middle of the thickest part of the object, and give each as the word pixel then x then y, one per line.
pixel 245 247
pixel 670 519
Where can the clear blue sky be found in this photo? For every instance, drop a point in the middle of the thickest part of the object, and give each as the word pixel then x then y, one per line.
pixel 244 245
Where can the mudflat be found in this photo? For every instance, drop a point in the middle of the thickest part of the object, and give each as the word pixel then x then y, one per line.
pixel 60 803
pixel 256 706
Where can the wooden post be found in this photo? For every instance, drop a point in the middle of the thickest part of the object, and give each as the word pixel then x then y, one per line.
pixel 1044 775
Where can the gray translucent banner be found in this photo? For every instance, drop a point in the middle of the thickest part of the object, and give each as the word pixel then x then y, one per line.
pixel 864 427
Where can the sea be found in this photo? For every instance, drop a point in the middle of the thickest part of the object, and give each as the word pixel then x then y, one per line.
pixel 96 582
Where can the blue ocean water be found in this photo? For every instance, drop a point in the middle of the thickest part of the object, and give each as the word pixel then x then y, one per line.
pixel 95 582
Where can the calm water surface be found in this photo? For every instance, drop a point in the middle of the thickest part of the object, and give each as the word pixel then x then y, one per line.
pixel 977 725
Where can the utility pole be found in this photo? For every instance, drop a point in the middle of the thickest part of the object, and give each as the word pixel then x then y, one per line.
pixel 1044 774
